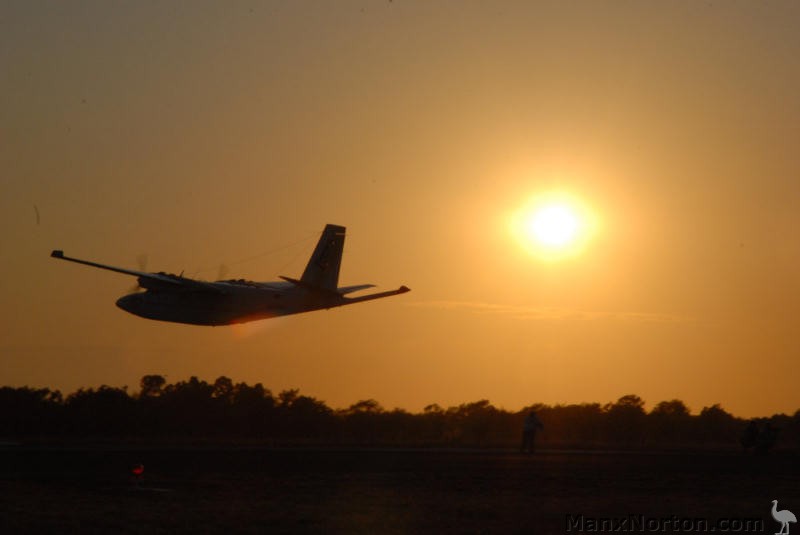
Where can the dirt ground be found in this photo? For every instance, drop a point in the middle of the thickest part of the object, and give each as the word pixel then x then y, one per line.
pixel 261 490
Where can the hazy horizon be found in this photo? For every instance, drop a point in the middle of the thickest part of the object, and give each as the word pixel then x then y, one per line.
pixel 204 134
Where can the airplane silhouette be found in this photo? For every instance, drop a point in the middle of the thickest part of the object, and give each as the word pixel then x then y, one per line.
pixel 179 299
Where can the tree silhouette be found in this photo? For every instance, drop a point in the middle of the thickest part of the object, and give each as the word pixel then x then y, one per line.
pixel 30 411
pixel 715 425
pixel 626 419
pixel 224 410
pixel 669 422
pixel 105 411
pixel 151 385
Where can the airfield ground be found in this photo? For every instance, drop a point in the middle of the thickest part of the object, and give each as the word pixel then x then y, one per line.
pixel 89 489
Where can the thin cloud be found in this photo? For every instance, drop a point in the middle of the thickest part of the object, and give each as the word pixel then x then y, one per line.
pixel 523 312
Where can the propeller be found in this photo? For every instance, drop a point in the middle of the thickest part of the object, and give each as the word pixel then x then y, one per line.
pixel 141 261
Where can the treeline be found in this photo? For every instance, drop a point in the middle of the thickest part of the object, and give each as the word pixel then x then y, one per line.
pixel 224 410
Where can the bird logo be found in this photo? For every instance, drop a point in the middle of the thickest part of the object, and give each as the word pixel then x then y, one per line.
pixel 784 517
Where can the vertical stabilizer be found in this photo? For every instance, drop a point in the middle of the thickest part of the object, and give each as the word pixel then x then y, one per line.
pixel 323 268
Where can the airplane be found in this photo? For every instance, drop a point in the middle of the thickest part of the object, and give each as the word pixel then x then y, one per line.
pixel 180 299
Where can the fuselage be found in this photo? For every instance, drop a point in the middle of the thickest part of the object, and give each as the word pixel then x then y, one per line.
pixel 180 299
pixel 236 302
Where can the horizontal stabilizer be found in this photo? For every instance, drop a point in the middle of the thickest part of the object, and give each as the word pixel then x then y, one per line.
pixel 401 290
pixel 350 289
pixel 347 289
pixel 310 286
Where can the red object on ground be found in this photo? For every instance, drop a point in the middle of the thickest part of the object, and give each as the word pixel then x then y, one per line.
pixel 138 469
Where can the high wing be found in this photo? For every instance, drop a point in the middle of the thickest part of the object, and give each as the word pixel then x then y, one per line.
pixel 148 280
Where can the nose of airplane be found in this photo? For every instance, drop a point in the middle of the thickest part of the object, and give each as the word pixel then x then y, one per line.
pixel 129 303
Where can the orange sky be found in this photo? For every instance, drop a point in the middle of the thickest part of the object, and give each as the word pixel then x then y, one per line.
pixel 207 133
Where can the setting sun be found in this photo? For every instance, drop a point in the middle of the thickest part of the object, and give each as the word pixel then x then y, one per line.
pixel 552 226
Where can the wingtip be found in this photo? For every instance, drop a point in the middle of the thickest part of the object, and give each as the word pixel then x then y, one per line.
pixel 57 253
pixel 403 289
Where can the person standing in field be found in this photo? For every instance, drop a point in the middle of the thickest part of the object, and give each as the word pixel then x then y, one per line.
pixel 529 428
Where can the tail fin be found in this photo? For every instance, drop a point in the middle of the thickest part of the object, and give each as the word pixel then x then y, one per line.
pixel 323 268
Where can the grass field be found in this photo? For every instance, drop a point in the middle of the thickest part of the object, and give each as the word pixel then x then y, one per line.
pixel 254 490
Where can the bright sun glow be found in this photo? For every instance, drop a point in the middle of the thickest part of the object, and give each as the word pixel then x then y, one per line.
pixel 553 226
